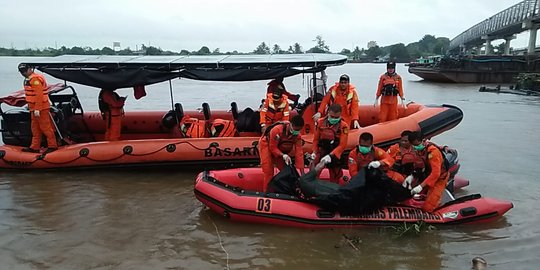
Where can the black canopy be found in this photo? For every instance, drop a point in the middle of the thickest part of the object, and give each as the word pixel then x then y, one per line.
pixel 105 71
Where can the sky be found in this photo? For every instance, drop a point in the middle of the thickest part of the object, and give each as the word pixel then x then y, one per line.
pixel 237 24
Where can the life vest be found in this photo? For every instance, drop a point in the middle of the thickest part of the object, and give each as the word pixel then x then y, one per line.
pixel 390 83
pixel 362 160
pixel 286 140
pixel 349 96
pixel 422 168
pixel 193 127
pixel 30 92
pixel 329 135
pixel 222 128
pixel 273 112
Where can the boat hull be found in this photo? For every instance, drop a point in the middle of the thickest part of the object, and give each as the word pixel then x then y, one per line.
pixel 235 194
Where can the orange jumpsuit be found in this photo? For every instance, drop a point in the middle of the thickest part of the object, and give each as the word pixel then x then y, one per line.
pixel 113 117
pixel 394 87
pixel 37 96
pixel 275 142
pixel 273 84
pixel 348 100
pixel 437 178
pixel 331 140
pixel 358 160
pixel 274 111
pixel 396 152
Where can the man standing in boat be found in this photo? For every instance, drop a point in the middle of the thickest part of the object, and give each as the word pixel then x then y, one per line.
pixel 277 83
pixel 111 106
pixel 276 145
pixel 344 94
pixel 390 86
pixel 37 96
pixel 274 109
pixel 365 154
pixel 435 175
pixel 330 140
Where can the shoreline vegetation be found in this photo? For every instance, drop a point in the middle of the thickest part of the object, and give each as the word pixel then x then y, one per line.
pixel 427 46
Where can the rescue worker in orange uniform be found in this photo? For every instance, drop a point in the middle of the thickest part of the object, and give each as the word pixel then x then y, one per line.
pixel 111 106
pixel 344 94
pixel 397 152
pixel 276 145
pixel 274 109
pixel 365 154
pixel 390 87
pixel 329 142
pixel 277 83
pixel 37 97
pixel 435 175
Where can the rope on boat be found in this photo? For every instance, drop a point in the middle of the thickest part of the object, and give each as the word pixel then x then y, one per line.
pixel 219 239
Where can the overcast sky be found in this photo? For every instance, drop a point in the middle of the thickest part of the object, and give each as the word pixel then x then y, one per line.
pixel 236 24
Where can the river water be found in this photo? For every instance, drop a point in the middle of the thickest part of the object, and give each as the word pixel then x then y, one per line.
pixel 150 219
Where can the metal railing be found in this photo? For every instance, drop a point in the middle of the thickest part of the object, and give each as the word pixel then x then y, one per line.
pixel 498 23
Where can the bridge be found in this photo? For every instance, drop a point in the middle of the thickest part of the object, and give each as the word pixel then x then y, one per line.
pixel 504 25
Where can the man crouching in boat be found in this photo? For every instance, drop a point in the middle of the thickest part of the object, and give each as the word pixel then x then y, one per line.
pixel 330 140
pixel 402 153
pixel 365 154
pixel 435 175
pixel 277 142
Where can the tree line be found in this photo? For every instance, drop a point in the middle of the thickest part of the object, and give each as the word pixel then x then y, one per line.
pixel 428 45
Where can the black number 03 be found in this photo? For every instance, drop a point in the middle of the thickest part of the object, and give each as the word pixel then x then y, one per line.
pixel 264 205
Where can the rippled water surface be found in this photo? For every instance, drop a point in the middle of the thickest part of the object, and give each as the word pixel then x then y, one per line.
pixel 150 219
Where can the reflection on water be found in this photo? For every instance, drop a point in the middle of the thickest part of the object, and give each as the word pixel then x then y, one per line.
pixel 150 219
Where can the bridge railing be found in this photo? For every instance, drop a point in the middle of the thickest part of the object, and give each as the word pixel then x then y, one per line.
pixel 514 15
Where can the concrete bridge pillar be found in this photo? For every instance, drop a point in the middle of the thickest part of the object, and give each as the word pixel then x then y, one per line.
pixel 533 29
pixel 532 39
pixel 488 44
pixel 507 44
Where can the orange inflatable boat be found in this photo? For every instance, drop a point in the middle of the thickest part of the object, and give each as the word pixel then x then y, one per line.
pixel 153 137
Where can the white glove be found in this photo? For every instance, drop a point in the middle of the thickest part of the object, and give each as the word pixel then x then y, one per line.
pixel 316 116
pixel 312 156
pixel 416 190
pixel 407 182
pixel 374 164
pixel 287 159
pixel 326 159
pixel 376 102
pixel 36 113
pixel 356 125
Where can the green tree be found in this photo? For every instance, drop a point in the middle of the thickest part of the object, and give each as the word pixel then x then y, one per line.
pixel 262 49
pixel 297 48
pixel 426 43
pixel 277 50
pixel 76 50
pixel 216 51
pixel 345 51
pixel 374 52
pixel 203 50
pixel 321 46
pixel 184 52
pixel 107 51
pixel 357 53
pixel 399 52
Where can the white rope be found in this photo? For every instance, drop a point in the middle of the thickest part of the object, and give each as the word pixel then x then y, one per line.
pixel 220 242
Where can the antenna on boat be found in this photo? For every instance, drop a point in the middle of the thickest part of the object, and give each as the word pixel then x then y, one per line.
pixel 172 98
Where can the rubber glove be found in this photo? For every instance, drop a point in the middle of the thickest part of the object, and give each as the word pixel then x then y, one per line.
pixel 263 128
pixel 407 182
pixel 36 113
pixel 326 159
pixel 316 116
pixel 403 103
pixel 356 125
pixel 416 190
pixel 313 156
pixel 287 159
pixel 374 164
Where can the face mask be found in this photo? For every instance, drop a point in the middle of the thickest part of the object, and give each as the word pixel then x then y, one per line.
pixel 333 121
pixel 295 132
pixel 419 147
pixel 364 149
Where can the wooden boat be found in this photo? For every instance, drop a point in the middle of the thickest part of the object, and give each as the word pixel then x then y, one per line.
pixel 236 194
pixel 147 138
